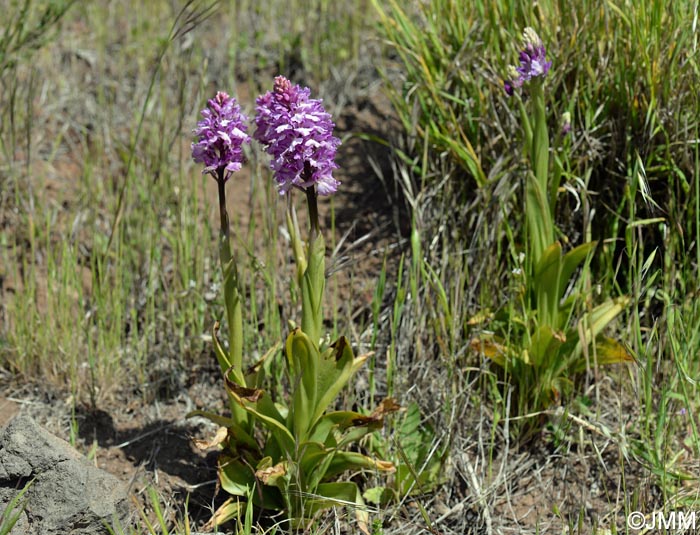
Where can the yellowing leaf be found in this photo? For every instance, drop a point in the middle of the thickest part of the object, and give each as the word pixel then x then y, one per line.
pixel 242 392
pixel 610 351
pixel 480 318
pixel 270 475
pixel 490 348
pixel 229 510
pixel 218 438
pixel 387 406
pixel 607 351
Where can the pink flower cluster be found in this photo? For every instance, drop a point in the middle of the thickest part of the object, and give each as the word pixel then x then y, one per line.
pixel 533 63
pixel 220 137
pixel 293 128
pixel 298 133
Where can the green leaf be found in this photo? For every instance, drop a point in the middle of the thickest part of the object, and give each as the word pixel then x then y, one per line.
pixel 571 261
pixel 597 320
pixel 354 425
pixel 349 460
pixel 262 410
pixel 415 439
pixel 268 408
pixel 235 477
pixel 239 479
pixel 304 360
pixel 552 276
pixel 321 432
pixel 312 287
pixel 557 387
pixel 544 346
pixel 14 510
pixel 379 495
pixel 337 366
pixel 539 220
pixel 546 284
pixel 315 459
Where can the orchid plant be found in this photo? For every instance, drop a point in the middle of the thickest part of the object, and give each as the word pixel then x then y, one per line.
pixel 285 455
pixel 543 357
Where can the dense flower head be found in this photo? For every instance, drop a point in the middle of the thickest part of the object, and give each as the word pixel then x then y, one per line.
pixel 220 137
pixel 533 63
pixel 298 133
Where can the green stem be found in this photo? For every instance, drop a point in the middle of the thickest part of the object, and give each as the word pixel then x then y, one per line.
pixel 540 137
pixel 232 301
pixel 313 282
pixel 232 295
pixel 540 212
pixel 312 201
pixel 297 243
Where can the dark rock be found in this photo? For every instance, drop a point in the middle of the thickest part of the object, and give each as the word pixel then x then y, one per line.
pixel 67 495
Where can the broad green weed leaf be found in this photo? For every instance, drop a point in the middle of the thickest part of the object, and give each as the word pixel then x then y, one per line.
pixel 415 439
pixel 269 418
pixel 235 477
pixel 238 479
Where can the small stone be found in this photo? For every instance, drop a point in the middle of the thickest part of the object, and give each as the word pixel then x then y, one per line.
pixel 67 495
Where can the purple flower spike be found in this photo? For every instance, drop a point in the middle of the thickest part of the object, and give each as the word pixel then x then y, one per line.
pixel 533 63
pixel 220 137
pixel 298 133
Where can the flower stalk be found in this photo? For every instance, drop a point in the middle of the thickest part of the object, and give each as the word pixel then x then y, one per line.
pixel 298 133
pixel 314 280
pixel 232 292
pixel 551 348
pixel 220 137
